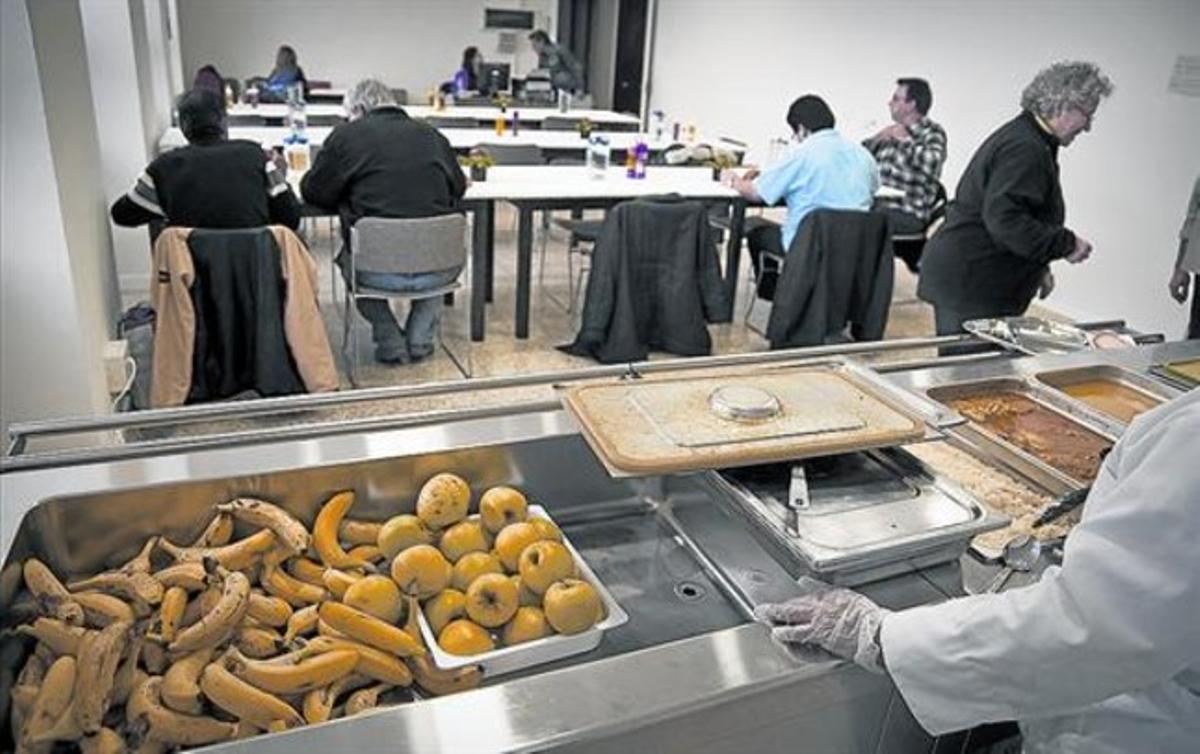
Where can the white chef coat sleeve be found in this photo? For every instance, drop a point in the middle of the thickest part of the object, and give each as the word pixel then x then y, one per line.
pixel 1121 614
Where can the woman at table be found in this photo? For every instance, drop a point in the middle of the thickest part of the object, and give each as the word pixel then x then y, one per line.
pixel 466 78
pixel 286 73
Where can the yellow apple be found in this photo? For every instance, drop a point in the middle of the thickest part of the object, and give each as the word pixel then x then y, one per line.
pixel 543 563
pixel 375 595
pixel 511 541
pixel 421 571
pixel 461 538
pixel 501 506
pixel 448 605
pixel 525 597
pixel 528 624
pixel 471 566
pixel 399 533
pixel 572 606
pixel 546 529
pixel 491 600
pixel 462 637
pixel 443 500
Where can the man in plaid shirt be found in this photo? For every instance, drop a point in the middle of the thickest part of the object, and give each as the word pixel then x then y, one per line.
pixel 910 153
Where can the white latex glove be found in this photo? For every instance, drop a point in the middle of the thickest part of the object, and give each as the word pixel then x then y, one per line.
pixel 839 621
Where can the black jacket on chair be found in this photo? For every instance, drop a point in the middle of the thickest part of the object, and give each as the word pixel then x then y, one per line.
pixel 238 298
pixel 655 282
pixel 837 271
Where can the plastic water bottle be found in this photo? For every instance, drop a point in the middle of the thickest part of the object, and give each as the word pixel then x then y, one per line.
pixel 641 154
pixel 597 156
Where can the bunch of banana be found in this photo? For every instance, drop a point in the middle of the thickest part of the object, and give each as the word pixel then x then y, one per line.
pixel 222 637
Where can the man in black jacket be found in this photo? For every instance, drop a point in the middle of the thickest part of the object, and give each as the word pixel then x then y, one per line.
pixel 1005 225
pixel 385 164
pixel 213 182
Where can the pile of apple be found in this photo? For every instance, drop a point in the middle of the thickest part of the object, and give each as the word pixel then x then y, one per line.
pixel 497 578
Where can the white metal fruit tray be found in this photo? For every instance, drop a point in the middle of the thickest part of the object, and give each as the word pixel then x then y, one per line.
pixel 539 651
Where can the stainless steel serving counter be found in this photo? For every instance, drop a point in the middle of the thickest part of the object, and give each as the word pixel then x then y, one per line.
pixel 718 683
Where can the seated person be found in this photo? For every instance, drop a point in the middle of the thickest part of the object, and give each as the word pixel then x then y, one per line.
pixel 286 73
pixel 208 77
pixel 466 78
pixel 910 153
pixel 827 171
pixel 382 163
pixel 565 70
pixel 213 182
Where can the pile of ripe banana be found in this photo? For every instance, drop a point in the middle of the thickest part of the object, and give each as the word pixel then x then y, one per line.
pixel 220 639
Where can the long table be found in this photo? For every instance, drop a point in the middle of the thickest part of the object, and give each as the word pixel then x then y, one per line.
pixel 484 115
pixel 461 139
pixel 547 188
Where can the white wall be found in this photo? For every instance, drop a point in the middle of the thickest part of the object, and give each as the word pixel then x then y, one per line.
pixel 735 68
pixel 47 357
pixel 410 44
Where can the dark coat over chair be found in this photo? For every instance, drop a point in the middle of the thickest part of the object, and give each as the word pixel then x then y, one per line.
pixel 838 271
pixel 655 282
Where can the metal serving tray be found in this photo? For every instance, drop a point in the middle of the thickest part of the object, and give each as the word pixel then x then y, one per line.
pixel 1011 456
pixel 539 651
pixel 872 514
pixel 1031 335
pixel 1059 379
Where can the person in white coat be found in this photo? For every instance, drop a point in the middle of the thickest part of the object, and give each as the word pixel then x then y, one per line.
pixel 1100 655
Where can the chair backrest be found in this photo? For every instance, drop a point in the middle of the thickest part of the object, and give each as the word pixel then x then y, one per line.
pixel 446 121
pixel 560 123
pixel 513 154
pixel 407 246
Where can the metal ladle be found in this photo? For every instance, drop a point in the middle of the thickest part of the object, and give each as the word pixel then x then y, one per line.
pixel 1020 554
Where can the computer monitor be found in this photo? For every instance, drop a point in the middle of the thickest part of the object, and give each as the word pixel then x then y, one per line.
pixel 495 77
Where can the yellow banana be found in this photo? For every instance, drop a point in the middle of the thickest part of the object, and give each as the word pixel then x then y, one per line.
pixel 218 532
pixel 356 532
pixel 325 533
pixel 243 700
pixel 236 556
pixel 104 741
pixel 289 532
pixel 65 728
pixel 308 571
pixel 171 727
pixel 337 582
pixel 369 553
pixel 141 563
pixel 62 639
pixel 440 682
pixel 133 586
pixel 318 704
pixel 170 613
pixel 297 678
pixel 190 576
pixel 302 622
pixel 297 593
pixel 217 624
pixel 52 700
pixel 199 605
pixel 412 625
pixel 128 671
pixel 365 699
pixel 257 642
pixel 100 609
pixel 373 663
pixel 54 598
pixel 32 672
pixel 324 629
pixel 269 611
pixel 369 629
pixel 180 689
pixel 97 670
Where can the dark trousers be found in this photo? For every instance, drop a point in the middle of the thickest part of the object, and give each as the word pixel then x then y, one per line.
pixel 1193 330
pixel 764 235
pixel 949 321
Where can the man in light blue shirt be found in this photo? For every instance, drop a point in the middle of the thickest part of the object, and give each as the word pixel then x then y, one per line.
pixel 827 171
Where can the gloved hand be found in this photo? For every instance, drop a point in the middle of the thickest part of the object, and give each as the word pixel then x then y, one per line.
pixel 838 620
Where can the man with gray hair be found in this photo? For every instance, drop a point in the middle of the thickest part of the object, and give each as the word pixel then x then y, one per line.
pixel 1005 224
pixel 382 163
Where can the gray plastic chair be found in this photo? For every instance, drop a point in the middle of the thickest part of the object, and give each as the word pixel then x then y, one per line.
pixel 448 121
pixel 561 123
pixel 404 246
pixel 513 154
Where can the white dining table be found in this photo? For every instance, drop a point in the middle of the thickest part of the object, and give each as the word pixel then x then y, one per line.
pixel 532 188
pixel 482 114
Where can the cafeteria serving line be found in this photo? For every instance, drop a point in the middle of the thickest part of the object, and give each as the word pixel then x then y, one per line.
pixel 388 376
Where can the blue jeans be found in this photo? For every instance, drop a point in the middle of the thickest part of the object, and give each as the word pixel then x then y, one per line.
pixel 423 314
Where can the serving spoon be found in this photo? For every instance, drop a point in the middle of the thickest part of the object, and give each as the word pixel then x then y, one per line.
pixel 1020 554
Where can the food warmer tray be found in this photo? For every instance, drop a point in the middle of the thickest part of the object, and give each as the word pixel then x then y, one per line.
pixel 1059 379
pixel 1030 335
pixel 871 514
